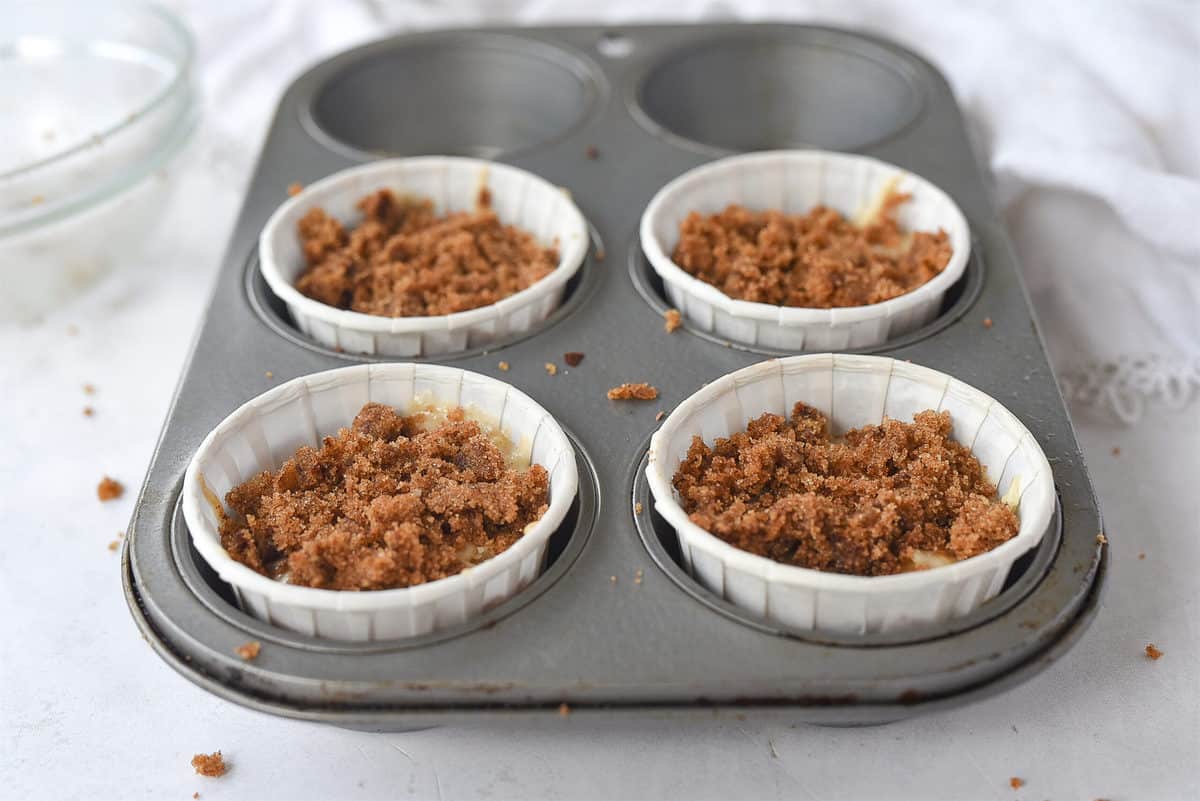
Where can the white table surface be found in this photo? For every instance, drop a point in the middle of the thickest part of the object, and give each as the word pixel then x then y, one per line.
pixel 88 711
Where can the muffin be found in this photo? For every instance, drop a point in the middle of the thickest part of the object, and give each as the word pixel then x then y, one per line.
pixel 422 256
pixel 335 433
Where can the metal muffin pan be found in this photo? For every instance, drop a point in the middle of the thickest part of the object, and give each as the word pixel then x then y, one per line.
pixel 653 102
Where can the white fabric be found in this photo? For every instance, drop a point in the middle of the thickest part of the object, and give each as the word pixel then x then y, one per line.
pixel 1090 115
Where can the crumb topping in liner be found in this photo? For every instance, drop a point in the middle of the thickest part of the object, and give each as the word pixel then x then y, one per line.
pixel 392 501
pixel 887 499
pixel 816 260
pixel 403 260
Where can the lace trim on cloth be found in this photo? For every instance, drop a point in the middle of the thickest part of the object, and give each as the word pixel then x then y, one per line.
pixel 1124 388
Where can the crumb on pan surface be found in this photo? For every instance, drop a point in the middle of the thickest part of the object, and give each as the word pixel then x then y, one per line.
pixel 391 501
pixel 573 358
pixel 672 320
pixel 887 499
pixel 640 391
pixel 249 651
pixel 815 260
pixel 211 765
pixel 551 368
pixel 1153 653
pixel 404 260
pixel 109 489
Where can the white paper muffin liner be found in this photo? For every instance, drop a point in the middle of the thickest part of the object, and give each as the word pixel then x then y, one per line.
pixel 519 198
pixel 852 391
pixel 793 181
pixel 268 430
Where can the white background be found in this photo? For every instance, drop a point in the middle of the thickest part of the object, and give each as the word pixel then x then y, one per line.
pixel 88 711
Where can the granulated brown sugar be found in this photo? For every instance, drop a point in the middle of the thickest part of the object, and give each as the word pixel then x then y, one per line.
pixel 888 499
pixel 392 501
pixel 633 392
pixel 1153 653
pixel 109 489
pixel 672 319
pixel 815 260
pixel 573 358
pixel 249 651
pixel 211 765
pixel 405 261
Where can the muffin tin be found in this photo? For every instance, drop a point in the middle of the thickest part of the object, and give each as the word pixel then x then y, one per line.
pixel 653 102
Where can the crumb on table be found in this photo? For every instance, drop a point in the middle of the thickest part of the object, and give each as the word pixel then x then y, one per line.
pixel 1100 538
pixel 637 508
pixel 88 411
pixel 114 545
pixel 573 358
pixel 564 710
pixel 503 366
pixel 109 489
pixel 600 254
pixel 249 651
pixel 294 189
pixel 211 765
pixel 672 320
pixel 612 579
pixel 640 391
pixel 1153 653
pixel 269 374
pixel 1016 783
pixel 987 322
pixel 592 152
pixel 658 417
pixel 1142 555
pixel 1116 451
pixel 551 368
pixel 89 389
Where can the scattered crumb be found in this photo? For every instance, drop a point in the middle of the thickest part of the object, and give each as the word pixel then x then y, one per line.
pixel 987 323
pixel 592 152
pixel 37 200
pixel 672 320
pixel 1153 653
pixel 637 577
pixel 294 189
pixel 600 254
pixel 109 489
pixel 640 391
pixel 1116 451
pixel 269 374
pixel 573 358
pixel 612 579
pixel 212 765
pixel 551 368
pixel 114 545
pixel 249 651
pixel 195 795
pixel 1142 555
pixel 1100 538
pixel 564 710
pixel 658 417
pixel 72 330
pixel 89 389
pixel 637 508
pixel 88 411
pixel 1016 783
pixel 503 367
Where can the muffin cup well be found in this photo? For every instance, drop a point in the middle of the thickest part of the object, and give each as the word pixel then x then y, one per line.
pixel 793 181
pixel 268 430
pixel 519 198
pixel 852 391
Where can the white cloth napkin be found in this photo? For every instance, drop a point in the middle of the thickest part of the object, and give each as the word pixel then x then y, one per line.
pixel 1088 112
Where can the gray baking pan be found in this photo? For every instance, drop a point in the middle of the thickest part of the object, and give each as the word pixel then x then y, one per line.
pixel 613 115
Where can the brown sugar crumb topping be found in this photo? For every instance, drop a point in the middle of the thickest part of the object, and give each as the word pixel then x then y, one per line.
pixel 391 501
pixel 633 392
pixel 573 358
pixel 1153 653
pixel 403 260
pixel 887 499
pixel 815 260
pixel 672 319
pixel 249 651
pixel 109 489
pixel 211 765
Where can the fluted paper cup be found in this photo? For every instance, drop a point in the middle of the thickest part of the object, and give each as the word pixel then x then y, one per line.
pixel 268 430
pixel 518 197
pixel 794 181
pixel 852 391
